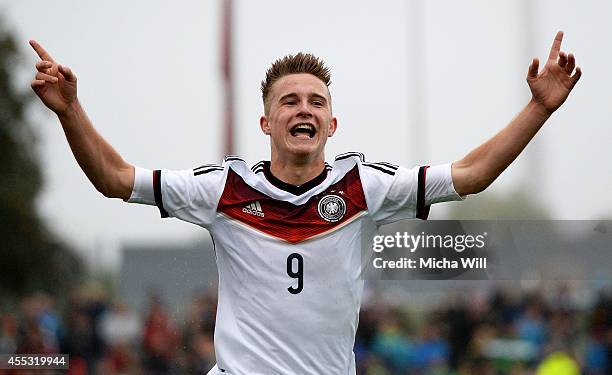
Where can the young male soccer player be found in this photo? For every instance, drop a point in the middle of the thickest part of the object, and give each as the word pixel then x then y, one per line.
pixel 287 231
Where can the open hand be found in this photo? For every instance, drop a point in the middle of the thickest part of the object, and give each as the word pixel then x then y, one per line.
pixel 553 84
pixel 55 84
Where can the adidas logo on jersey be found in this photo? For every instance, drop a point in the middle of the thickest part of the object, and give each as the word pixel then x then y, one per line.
pixel 254 209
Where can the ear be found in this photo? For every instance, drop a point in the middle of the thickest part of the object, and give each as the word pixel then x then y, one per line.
pixel 265 125
pixel 333 125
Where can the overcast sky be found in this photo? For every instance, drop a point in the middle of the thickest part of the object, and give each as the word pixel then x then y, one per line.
pixel 412 82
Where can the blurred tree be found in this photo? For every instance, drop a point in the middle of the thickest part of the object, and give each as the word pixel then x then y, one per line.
pixel 31 258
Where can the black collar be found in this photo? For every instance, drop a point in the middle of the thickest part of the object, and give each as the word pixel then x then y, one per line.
pixel 293 189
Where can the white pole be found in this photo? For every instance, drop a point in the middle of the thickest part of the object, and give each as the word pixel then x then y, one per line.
pixel 417 80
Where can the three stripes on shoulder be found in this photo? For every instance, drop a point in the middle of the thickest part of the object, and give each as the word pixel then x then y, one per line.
pixel 206 168
pixel 382 166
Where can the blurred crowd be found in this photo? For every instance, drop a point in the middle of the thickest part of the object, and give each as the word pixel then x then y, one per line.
pixel 499 332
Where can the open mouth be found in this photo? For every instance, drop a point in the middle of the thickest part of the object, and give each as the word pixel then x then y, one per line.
pixel 303 129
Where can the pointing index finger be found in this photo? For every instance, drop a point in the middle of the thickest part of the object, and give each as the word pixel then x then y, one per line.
pixel 44 55
pixel 556 46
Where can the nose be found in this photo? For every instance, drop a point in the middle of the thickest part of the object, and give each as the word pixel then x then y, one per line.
pixel 304 109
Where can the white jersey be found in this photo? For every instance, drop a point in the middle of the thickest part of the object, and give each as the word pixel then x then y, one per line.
pixel 289 258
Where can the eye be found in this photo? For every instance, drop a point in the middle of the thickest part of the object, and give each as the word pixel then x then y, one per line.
pixel 318 103
pixel 290 102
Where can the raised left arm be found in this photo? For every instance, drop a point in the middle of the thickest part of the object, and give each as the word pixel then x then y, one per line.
pixel 549 89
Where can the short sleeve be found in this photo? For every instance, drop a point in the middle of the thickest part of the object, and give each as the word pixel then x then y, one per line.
pixel 395 193
pixel 190 195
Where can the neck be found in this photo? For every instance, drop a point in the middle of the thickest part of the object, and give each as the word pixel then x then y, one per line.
pixel 297 172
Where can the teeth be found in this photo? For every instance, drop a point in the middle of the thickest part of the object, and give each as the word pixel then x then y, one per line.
pixel 303 128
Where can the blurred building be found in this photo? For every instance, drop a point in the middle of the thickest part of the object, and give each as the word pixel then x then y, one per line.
pixel 173 273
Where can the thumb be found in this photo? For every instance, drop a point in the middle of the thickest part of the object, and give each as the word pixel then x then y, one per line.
pixel 533 68
pixel 67 73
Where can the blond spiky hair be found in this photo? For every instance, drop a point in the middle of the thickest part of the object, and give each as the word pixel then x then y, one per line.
pixel 293 64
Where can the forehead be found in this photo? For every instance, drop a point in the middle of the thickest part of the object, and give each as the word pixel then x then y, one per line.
pixel 301 84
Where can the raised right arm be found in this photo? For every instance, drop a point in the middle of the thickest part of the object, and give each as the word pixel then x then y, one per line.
pixel 56 86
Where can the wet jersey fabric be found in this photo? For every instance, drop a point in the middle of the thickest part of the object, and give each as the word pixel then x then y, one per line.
pixel 290 258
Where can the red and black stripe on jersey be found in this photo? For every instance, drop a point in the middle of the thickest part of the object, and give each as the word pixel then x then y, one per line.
pixel 284 220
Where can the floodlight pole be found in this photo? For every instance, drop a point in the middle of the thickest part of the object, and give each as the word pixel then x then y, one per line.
pixel 226 71
pixel 536 152
pixel 417 80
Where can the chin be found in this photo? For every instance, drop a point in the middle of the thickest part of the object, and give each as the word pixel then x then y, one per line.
pixel 304 150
